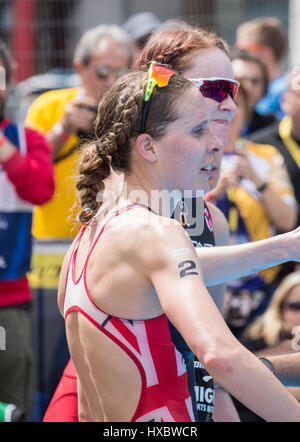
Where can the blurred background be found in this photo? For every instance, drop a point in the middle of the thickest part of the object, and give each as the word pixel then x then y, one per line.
pixel 42 33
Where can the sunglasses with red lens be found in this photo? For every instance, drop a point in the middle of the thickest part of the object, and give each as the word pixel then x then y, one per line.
pixel 159 74
pixel 216 88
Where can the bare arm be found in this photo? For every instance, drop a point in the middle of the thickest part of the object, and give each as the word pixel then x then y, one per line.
pixel 287 368
pixel 295 391
pixel 224 409
pixel 222 264
pixel 178 281
pixel 282 214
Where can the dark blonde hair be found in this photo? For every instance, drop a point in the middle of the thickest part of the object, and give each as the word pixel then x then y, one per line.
pixel 117 126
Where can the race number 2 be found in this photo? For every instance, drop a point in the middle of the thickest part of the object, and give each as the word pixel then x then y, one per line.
pixel 187 268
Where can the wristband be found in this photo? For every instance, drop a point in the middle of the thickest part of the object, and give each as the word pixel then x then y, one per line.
pixel 268 364
pixel 2 139
pixel 262 187
pixel 60 132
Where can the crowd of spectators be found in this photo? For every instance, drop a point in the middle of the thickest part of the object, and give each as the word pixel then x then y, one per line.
pixel 258 189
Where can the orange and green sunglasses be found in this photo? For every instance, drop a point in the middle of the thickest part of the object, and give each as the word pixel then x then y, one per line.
pixel 159 74
pixel 215 88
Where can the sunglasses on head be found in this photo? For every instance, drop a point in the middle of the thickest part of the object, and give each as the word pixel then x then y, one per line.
pixel 216 88
pixel 293 306
pixel 159 74
pixel 103 71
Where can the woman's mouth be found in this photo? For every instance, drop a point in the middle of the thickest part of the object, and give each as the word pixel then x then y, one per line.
pixel 208 170
pixel 223 121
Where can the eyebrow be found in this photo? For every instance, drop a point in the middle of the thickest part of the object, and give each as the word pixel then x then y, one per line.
pixel 201 124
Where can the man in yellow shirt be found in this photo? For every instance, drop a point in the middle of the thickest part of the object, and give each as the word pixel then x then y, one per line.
pixel 66 118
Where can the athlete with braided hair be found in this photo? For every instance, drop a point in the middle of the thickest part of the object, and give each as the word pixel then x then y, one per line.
pixel 121 318
pixel 202 55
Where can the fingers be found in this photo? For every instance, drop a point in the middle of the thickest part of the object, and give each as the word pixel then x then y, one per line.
pixel 79 115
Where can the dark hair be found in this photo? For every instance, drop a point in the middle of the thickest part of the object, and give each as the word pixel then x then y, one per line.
pixel 177 47
pixel 251 58
pixel 267 31
pixel 117 125
pixel 6 61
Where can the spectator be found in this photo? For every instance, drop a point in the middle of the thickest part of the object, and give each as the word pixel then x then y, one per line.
pixel 274 328
pixel 266 38
pixel 252 74
pixel 102 55
pixel 139 27
pixel 26 179
pixel 255 195
pixel 278 321
pixel 285 135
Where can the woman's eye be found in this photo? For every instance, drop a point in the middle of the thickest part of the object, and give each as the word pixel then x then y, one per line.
pixel 199 131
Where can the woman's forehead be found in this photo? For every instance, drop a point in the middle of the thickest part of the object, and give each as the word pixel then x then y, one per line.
pixel 209 63
pixel 294 292
pixel 192 106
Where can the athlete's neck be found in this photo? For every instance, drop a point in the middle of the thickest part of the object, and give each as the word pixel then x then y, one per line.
pixel 137 191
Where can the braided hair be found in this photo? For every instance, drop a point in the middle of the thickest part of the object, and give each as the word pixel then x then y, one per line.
pixel 117 126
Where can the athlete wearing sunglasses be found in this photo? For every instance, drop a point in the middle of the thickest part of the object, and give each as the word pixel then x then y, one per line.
pixel 196 55
pixel 122 320
pixel 217 89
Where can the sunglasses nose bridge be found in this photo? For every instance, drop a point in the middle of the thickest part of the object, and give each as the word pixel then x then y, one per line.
pixel 228 103
pixel 217 89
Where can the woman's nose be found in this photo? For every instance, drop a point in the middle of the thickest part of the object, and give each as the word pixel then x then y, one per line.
pixel 215 145
pixel 228 104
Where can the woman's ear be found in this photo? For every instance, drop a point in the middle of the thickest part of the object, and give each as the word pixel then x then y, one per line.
pixel 146 148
